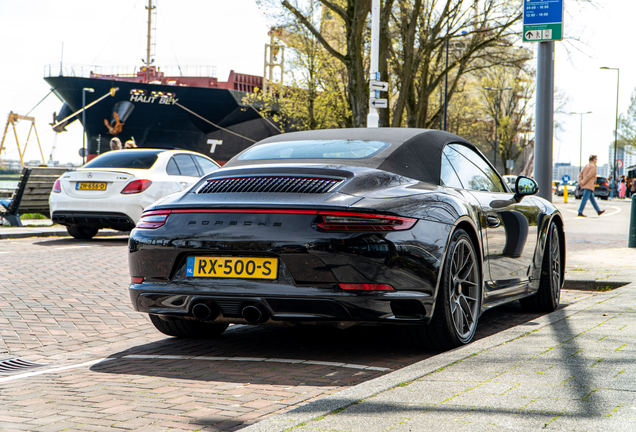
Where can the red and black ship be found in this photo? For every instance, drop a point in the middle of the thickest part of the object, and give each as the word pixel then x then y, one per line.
pixel 197 113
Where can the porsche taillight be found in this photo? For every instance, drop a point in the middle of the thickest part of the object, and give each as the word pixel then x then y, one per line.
pixel 353 221
pixel 57 187
pixel 136 186
pixel 153 219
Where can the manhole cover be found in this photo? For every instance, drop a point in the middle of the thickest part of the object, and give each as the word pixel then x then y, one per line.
pixel 17 365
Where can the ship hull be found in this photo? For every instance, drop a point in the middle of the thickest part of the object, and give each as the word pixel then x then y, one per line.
pixel 165 116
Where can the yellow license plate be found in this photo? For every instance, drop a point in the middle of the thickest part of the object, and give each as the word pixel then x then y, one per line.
pixel 90 186
pixel 232 267
pixel 595 185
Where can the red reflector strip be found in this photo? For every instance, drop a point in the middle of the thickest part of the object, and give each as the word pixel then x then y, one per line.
pixel 136 280
pixel 267 211
pixel 332 220
pixel 366 287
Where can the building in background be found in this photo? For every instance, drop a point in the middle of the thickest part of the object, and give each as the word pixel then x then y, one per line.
pixel 561 169
pixel 626 158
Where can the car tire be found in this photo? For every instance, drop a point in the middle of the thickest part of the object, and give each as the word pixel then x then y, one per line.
pixel 604 198
pixel 81 232
pixel 458 303
pixel 548 296
pixel 188 329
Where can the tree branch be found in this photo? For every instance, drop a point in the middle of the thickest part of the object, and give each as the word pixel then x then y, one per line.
pixel 313 31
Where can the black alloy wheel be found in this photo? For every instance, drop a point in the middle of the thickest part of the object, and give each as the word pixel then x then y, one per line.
pixel 188 329
pixel 81 232
pixel 548 296
pixel 458 302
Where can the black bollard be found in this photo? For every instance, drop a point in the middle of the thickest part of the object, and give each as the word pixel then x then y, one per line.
pixel 632 224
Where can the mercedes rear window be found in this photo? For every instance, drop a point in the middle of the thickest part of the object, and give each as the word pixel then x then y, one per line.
pixel 315 149
pixel 125 158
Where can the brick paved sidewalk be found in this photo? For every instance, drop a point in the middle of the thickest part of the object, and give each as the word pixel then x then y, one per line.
pixel 64 303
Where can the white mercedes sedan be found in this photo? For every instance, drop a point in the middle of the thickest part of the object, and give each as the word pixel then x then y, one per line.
pixel 112 190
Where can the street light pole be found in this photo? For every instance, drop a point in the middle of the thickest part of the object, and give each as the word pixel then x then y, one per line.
pixel 581 137
pixel 618 79
pixel 84 90
pixel 498 90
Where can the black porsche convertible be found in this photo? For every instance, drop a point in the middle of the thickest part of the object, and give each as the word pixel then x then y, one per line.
pixel 408 227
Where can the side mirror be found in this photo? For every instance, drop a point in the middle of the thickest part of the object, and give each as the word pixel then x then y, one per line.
pixel 525 186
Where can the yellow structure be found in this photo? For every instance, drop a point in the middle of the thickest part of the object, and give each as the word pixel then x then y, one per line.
pixel 13 120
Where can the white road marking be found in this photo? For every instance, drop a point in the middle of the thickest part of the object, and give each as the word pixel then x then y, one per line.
pixel 200 358
pixel 46 371
pixel 617 210
pixel 255 359
pixel 73 247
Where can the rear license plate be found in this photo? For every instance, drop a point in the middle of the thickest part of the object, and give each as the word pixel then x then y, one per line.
pixel 595 185
pixel 232 267
pixel 90 186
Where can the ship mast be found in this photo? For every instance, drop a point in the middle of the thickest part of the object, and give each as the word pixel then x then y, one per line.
pixel 150 43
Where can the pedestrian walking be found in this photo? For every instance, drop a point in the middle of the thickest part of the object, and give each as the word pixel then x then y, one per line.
pixel 622 188
pixel 587 178
pixel 632 186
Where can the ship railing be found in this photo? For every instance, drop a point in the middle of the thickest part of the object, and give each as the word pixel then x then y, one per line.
pixel 86 71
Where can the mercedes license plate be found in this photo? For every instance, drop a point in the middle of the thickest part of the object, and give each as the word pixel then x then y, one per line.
pixel 98 186
pixel 232 267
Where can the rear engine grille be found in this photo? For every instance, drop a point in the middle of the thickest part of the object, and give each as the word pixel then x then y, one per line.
pixel 270 184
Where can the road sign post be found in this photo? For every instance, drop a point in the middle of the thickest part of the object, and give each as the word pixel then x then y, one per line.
pixel 543 23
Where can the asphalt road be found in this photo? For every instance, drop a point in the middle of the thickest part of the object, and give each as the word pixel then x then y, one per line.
pixel 609 230
pixel 64 305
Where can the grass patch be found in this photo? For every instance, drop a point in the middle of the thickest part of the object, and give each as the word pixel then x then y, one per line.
pixel 30 216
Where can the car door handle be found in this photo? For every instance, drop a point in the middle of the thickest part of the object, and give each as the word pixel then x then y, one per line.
pixel 493 221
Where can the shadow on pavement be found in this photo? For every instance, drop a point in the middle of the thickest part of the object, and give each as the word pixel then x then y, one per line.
pixel 258 355
pixel 97 241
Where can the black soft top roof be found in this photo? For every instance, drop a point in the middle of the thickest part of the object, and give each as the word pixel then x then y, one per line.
pixel 414 153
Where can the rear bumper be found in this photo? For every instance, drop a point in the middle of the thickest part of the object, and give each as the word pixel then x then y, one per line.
pixel 113 220
pixel 601 192
pixel 308 306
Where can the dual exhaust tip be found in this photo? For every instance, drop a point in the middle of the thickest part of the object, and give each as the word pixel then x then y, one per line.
pixel 253 313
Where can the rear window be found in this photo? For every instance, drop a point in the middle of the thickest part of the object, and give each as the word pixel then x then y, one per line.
pixel 126 158
pixel 315 149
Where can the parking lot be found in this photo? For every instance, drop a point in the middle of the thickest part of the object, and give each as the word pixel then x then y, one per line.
pixel 64 305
